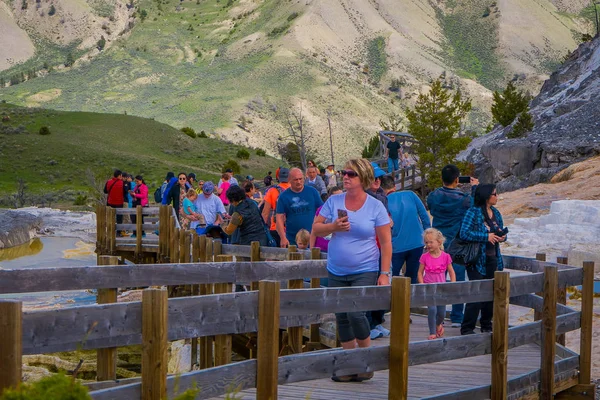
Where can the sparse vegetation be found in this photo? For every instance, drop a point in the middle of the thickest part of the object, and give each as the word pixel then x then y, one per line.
pixel 233 165
pixel 189 131
pixel 52 10
pixel 370 148
pixel 261 153
pixel 44 130
pixel 377 59
pixel 242 154
pixel 55 387
pixel 471 42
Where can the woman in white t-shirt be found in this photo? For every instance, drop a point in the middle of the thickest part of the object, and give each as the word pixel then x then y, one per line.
pixel 353 257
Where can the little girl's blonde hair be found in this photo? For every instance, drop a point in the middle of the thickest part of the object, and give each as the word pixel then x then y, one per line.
pixel 303 236
pixel 436 234
pixel 191 193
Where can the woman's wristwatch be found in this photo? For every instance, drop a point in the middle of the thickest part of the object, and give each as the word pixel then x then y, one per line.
pixel 388 273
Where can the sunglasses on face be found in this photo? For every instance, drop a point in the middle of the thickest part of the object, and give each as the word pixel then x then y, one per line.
pixel 350 173
pixel 182 179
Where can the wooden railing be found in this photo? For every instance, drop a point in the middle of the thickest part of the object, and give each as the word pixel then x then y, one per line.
pixel 156 320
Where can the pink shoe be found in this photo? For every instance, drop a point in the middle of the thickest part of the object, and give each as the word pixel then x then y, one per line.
pixel 440 331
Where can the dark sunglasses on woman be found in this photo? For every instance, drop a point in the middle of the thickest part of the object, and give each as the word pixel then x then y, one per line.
pixel 350 173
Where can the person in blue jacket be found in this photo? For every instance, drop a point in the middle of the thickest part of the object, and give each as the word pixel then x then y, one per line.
pixel 410 221
pixel 448 205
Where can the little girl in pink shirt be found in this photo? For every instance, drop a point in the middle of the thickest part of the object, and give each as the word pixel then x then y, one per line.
pixel 434 263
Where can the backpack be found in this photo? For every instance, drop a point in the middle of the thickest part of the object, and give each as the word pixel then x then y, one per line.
pixel 157 195
pixel 262 206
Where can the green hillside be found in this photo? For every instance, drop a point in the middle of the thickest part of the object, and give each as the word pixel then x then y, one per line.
pixel 180 64
pixel 59 166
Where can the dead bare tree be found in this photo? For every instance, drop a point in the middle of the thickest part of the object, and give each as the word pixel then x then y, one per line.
pixel 299 134
pixel 20 196
pixel 330 135
pixel 95 182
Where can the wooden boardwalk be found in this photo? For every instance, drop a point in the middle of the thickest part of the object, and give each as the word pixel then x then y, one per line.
pixel 429 380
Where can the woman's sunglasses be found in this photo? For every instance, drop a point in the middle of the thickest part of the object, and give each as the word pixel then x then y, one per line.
pixel 182 179
pixel 350 173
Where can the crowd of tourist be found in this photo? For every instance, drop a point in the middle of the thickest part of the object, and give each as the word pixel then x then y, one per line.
pixel 369 230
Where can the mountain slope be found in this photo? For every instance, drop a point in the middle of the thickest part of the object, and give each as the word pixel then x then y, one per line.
pixel 238 70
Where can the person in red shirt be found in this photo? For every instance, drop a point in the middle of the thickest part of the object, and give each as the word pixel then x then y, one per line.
pixel 116 193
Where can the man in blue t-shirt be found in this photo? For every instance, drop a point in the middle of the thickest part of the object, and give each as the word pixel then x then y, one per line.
pixel 296 208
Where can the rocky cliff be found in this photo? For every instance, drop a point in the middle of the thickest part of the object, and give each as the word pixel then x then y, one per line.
pixel 17 227
pixel 567 128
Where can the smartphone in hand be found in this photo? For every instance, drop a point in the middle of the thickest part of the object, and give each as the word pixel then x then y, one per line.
pixel 342 213
pixel 464 179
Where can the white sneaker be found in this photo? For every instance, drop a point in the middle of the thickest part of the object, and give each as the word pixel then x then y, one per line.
pixel 456 325
pixel 384 331
pixel 375 334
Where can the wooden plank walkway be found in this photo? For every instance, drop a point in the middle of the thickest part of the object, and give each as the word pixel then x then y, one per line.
pixel 424 380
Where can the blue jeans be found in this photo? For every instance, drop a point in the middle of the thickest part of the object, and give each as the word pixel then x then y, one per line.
pixel 392 164
pixel 412 263
pixel 435 316
pixel 457 313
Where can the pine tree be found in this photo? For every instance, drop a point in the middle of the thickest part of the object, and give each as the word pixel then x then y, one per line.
pixel 509 104
pixel 435 123
pixel 524 125
pixel 101 43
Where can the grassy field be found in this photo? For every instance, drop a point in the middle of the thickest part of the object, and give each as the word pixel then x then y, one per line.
pixel 83 144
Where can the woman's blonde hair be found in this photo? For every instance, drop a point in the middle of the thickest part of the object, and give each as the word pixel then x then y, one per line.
pixel 191 193
pixel 439 236
pixel 364 169
pixel 303 236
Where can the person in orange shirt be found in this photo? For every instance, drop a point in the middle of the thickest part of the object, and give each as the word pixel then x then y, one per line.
pixel 268 212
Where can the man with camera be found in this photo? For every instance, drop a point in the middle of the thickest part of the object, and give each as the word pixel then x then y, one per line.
pixel 448 206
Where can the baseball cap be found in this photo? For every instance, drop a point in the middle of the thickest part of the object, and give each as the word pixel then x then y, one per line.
pixel 378 171
pixel 284 174
pixel 208 187
pixel 250 177
pixel 228 170
pixel 192 175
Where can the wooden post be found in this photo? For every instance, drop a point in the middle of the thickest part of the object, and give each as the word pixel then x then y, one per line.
pixel 183 251
pixel 537 315
pixel 112 230
pixel 295 335
pixel 587 312
pixel 223 342
pixel 548 332
pixel 154 344
pixel 176 249
pixel 11 345
pixel 400 306
pixel 99 230
pixel 107 358
pixel 268 340
pixel 414 177
pixel 172 239
pixel 254 257
pixel 422 185
pixel 138 232
pixel 206 342
pixel 562 299
pixel 202 248
pixel 217 248
pixel 500 335
pixel 161 232
pixel 196 250
pixel 402 178
pixel 292 249
pixel 315 283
